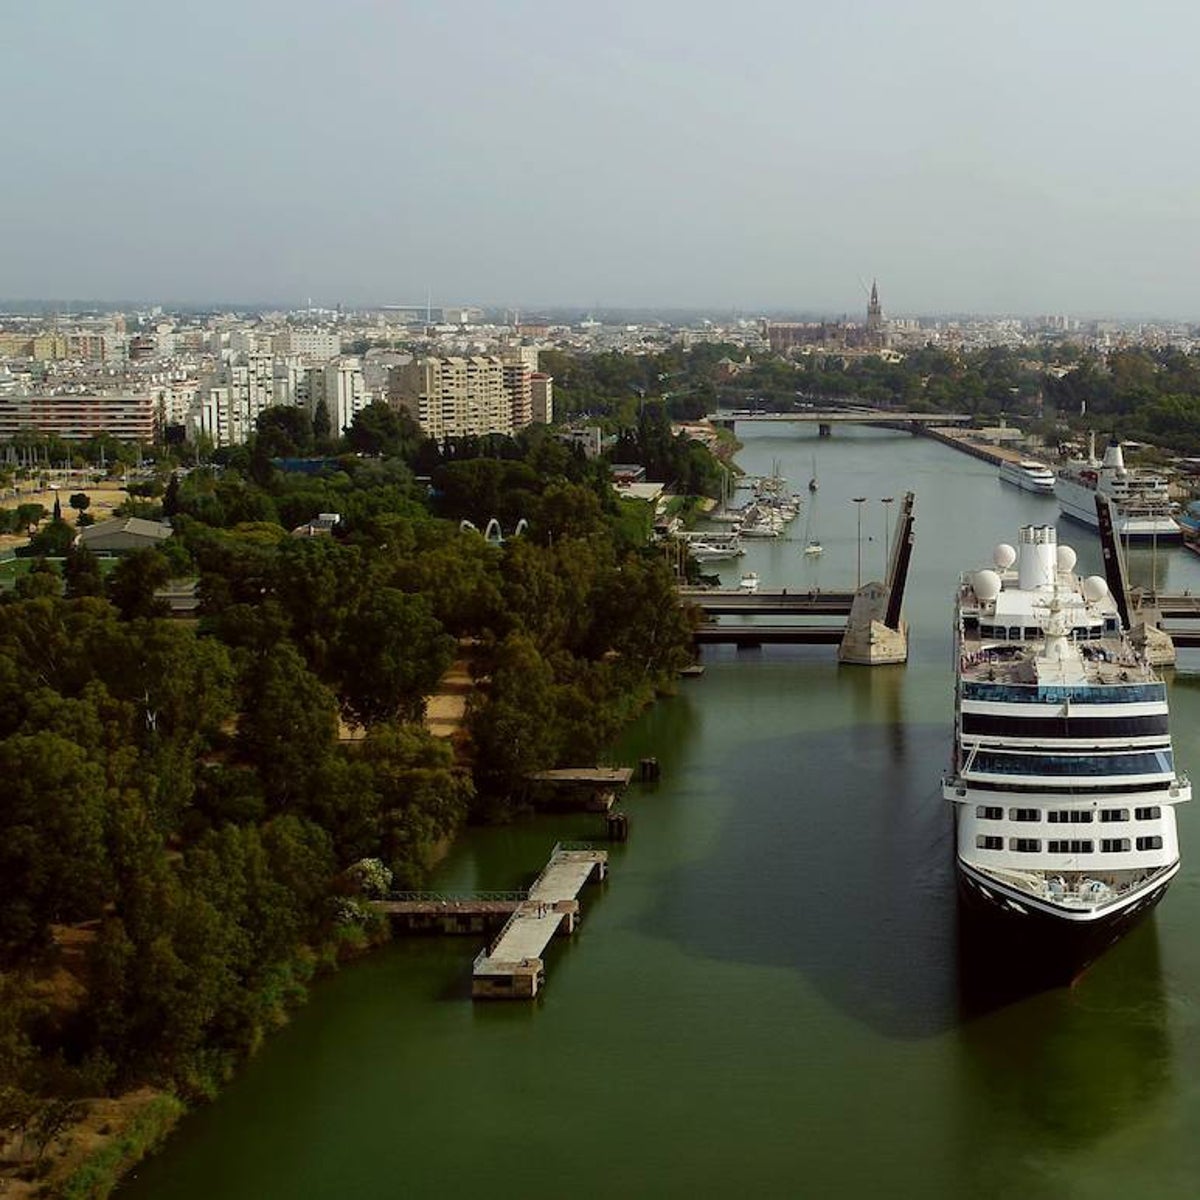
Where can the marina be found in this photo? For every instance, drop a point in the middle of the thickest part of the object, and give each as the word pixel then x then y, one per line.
pixel 780 942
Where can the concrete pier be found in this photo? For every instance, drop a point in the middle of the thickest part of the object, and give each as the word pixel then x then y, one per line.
pixel 512 967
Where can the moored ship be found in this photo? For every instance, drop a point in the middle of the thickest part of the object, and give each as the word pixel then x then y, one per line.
pixel 1028 475
pixel 1142 508
pixel 1063 777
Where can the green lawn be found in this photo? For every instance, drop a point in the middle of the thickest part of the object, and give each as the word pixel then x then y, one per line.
pixel 12 569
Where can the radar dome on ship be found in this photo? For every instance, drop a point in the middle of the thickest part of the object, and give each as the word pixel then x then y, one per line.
pixel 1095 587
pixel 1004 556
pixel 1066 558
pixel 987 584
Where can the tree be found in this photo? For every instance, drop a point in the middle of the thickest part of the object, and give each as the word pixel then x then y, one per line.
pixel 30 514
pixel 81 571
pixel 514 726
pixel 52 861
pixel 379 429
pixel 132 584
pixel 54 539
pixel 284 432
pixel 320 420
pixel 41 580
pixel 390 654
pixel 57 514
pixel 288 726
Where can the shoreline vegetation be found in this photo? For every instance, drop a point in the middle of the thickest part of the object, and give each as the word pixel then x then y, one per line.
pixel 201 808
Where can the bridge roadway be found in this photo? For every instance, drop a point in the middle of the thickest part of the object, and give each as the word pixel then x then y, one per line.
pixel 729 602
pixel 843 416
pixel 769 635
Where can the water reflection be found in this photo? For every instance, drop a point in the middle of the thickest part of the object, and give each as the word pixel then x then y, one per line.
pixel 834 858
pixel 1065 1068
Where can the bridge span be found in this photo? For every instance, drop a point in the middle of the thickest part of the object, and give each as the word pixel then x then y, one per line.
pixel 826 418
pixel 872 631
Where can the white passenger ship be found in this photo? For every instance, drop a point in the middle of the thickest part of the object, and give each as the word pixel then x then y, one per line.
pixel 1028 475
pixel 1142 508
pixel 1063 777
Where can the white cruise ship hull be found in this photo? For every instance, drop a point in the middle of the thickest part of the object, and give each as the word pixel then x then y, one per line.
pixel 1078 502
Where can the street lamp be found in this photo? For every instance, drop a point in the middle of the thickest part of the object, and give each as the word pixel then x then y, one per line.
pixel 887 530
pixel 859 501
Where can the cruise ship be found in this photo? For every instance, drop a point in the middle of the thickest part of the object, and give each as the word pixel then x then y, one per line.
pixel 1142 508
pixel 1028 475
pixel 1062 778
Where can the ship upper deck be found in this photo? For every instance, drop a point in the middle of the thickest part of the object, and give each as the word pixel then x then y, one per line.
pixel 1048 637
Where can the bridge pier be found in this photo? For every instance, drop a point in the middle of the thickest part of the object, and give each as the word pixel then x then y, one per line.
pixel 868 641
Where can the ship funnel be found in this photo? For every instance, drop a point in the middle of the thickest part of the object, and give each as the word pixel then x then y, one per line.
pixel 1037 557
pixel 1113 457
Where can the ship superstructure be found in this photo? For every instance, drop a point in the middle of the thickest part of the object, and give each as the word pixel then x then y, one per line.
pixel 1142 506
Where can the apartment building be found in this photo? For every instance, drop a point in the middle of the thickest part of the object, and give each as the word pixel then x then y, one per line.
pixel 130 417
pixel 454 397
pixel 518 383
pixel 341 386
pixel 320 344
pixel 541 396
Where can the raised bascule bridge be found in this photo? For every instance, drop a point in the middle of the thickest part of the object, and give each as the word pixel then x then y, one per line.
pixel 871 632
pixel 1152 617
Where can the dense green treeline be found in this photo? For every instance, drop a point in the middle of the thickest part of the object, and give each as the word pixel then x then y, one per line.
pixel 1141 393
pixel 194 809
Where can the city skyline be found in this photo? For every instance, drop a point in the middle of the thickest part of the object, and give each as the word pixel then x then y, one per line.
pixel 1014 162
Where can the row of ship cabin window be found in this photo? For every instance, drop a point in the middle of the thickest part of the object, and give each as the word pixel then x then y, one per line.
pixel 1033 633
pixel 987 841
pixel 1067 816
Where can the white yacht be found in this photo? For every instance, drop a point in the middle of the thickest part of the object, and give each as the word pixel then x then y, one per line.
pixel 1142 508
pixel 1029 475
pixel 749 583
pixel 1062 777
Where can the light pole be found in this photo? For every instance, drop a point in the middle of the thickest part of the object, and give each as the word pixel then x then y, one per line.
pixel 858 503
pixel 887 531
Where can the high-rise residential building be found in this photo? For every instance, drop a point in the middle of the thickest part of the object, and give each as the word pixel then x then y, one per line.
pixel 252 390
pixel 211 416
pixel 517 383
pixel 344 393
pixel 520 363
pixel 227 409
pixel 454 397
pixel 541 394
pixel 77 418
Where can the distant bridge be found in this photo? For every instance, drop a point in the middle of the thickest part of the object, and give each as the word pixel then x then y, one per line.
pixel 826 418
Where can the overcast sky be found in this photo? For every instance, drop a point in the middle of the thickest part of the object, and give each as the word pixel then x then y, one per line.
pixel 1021 157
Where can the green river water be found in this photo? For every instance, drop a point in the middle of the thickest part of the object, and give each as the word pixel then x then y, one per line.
pixel 764 999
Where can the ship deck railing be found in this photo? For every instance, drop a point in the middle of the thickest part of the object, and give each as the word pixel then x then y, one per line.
pixel 1039 885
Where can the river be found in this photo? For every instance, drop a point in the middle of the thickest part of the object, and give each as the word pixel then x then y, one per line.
pixel 765 997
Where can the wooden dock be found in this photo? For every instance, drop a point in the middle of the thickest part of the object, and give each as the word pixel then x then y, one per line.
pixel 512 966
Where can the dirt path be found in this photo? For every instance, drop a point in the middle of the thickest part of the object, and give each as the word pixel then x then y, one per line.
pixel 447 707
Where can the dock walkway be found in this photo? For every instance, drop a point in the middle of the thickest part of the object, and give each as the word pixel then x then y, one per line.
pixel 512 967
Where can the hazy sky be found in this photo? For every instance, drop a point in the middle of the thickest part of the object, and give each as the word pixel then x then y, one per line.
pixel 1025 157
